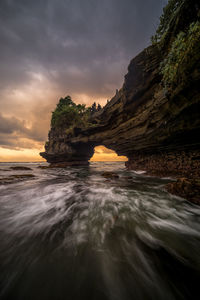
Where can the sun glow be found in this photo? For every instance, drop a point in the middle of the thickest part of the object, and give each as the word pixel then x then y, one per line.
pixel 25 155
pixel 104 154
pixel 32 155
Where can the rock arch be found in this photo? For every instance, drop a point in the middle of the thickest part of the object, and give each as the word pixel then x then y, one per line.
pixel 59 152
pixel 154 130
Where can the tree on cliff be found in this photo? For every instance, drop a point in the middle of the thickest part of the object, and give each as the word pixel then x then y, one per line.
pixel 64 102
pixel 68 114
pixel 165 19
pixel 99 107
pixel 94 108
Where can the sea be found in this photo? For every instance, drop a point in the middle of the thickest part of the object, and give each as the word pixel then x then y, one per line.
pixel 75 234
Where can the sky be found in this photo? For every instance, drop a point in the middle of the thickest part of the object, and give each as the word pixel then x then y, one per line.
pixel 53 48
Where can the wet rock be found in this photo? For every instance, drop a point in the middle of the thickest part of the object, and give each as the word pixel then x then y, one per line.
pixel 6 180
pixel 177 163
pixel 110 175
pixel 107 181
pixel 43 167
pixel 127 177
pixel 15 178
pixel 186 188
pixel 22 176
pixel 68 164
pixel 20 168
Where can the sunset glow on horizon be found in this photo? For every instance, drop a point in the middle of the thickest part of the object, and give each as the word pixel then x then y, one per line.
pixel 32 155
pixel 25 155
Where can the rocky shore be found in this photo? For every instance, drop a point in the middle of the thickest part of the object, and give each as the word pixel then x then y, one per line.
pixel 182 165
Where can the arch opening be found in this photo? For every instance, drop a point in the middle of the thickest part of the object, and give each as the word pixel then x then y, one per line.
pixel 101 153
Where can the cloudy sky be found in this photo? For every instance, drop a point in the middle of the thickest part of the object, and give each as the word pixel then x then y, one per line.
pixel 52 48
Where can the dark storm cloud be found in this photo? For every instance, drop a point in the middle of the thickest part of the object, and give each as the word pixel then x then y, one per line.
pixel 9 125
pixel 76 39
pixel 79 47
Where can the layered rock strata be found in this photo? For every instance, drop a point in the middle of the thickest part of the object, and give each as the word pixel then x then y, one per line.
pixel 158 131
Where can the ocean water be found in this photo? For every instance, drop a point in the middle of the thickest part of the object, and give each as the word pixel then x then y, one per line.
pixel 73 234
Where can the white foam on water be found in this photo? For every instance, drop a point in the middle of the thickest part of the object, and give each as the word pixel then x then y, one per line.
pixel 121 224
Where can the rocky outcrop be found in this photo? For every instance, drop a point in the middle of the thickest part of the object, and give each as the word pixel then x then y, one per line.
pixel 158 131
pixel 177 163
pixel 121 124
pixel 15 178
pixel 187 188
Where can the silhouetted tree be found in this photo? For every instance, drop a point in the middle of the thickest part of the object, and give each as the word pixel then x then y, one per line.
pixel 93 108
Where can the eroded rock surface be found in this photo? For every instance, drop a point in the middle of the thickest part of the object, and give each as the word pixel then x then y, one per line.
pixel 187 188
pixel 156 129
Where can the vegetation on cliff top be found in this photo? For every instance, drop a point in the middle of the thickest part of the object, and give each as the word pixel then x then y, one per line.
pixel 169 12
pixel 182 54
pixel 69 115
pixel 182 57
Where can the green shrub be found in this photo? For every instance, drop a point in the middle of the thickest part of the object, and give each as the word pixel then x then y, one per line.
pixel 182 57
pixel 69 115
pixel 65 117
pixel 69 131
pixel 169 12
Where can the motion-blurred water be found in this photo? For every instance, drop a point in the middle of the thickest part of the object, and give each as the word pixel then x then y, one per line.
pixel 72 234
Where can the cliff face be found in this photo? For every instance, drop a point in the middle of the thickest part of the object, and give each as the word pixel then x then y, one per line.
pixel 156 128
